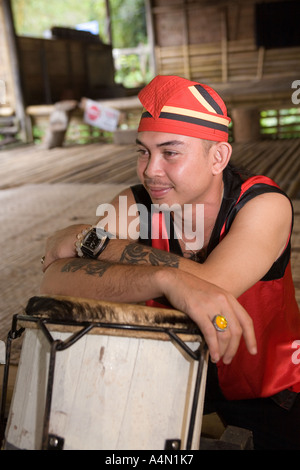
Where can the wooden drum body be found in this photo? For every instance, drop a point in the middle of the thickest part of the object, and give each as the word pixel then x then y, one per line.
pixel 99 375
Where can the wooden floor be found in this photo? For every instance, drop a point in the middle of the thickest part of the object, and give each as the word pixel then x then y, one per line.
pixel 85 164
pixel 109 163
pixel 280 160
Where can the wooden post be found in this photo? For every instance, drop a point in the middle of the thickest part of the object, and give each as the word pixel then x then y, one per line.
pixel 151 38
pixel 246 126
pixel 108 22
pixel 58 123
pixel 13 52
pixel 185 45
pixel 224 47
pixel 260 63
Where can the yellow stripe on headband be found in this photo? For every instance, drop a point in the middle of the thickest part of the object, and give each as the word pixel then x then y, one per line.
pixel 195 114
pixel 201 100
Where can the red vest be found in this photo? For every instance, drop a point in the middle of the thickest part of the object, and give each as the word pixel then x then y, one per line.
pixel 273 308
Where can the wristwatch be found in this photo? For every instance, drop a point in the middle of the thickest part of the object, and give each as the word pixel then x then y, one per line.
pixel 94 242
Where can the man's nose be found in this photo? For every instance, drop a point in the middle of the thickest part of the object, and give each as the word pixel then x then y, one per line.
pixel 154 166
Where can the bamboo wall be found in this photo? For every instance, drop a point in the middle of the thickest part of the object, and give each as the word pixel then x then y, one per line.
pixel 235 61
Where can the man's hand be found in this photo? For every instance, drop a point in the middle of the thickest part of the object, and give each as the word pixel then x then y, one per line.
pixel 61 244
pixel 202 300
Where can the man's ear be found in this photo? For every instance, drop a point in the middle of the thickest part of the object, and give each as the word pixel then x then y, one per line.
pixel 221 156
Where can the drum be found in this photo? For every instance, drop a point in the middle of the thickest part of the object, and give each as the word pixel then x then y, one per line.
pixel 98 375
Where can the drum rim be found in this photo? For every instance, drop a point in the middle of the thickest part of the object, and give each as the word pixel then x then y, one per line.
pixel 78 310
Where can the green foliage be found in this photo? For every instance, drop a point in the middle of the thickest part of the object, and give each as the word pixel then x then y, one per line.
pixel 34 17
pixel 128 22
pixel 130 73
pixel 282 123
pixel 128 26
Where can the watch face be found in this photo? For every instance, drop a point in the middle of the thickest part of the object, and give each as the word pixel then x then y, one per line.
pixel 94 243
pixel 91 241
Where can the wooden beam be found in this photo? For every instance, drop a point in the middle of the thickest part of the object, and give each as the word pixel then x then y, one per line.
pixel 260 63
pixel 108 22
pixel 224 46
pixel 185 45
pixel 151 37
pixel 13 52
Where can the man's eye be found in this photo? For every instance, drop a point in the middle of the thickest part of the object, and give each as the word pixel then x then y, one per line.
pixel 143 153
pixel 169 154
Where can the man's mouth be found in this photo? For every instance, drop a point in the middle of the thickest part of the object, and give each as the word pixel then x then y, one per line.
pixel 158 192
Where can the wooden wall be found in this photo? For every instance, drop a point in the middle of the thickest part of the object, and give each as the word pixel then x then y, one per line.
pixel 200 21
pixel 55 69
pixel 214 42
pixel 233 61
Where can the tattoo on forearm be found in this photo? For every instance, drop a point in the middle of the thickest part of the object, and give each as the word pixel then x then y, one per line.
pixel 138 254
pixel 133 254
pixel 92 267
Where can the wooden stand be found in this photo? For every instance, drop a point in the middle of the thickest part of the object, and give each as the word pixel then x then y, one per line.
pixel 58 123
pixel 246 126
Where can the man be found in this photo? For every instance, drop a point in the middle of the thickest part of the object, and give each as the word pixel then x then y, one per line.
pixel 233 269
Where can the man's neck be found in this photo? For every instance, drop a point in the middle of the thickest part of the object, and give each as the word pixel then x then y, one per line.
pixel 196 227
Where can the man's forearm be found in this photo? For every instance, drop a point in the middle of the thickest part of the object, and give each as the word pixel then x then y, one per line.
pixel 99 279
pixel 62 245
pixel 135 283
pixel 126 252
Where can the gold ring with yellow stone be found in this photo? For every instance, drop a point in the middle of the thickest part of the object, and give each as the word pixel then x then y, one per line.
pixel 220 323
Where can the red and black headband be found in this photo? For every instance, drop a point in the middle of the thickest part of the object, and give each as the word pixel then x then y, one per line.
pixel 180 106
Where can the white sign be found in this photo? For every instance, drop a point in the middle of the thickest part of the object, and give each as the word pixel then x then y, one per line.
pixel 100 116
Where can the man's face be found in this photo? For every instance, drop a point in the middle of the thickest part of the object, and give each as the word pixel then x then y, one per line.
pixel 173 168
